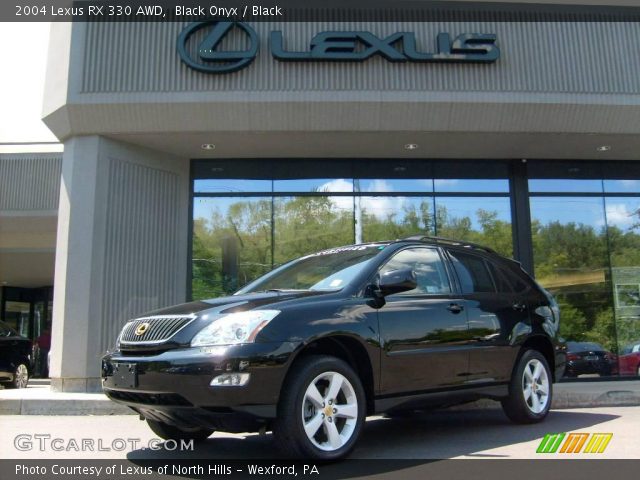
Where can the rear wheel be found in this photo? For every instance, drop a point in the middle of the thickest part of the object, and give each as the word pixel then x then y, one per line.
pixel 169 432
pixel 530 390
pixel 321 410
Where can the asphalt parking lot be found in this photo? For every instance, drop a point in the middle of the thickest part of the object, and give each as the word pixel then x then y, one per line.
pixel 445 434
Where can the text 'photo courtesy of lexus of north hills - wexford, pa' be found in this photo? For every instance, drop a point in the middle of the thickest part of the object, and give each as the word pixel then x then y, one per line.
pixel 315 346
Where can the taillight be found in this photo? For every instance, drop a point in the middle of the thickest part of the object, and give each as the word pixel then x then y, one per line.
pixel 572 356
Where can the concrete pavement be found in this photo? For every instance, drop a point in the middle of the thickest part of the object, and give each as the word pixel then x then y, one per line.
pixel 479 434
pixel 38 399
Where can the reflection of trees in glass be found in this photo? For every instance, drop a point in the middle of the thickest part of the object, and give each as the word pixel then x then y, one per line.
pixel 493 232
pixel 307 224
pixel 401 220
pixel 572 261
pixel 247 224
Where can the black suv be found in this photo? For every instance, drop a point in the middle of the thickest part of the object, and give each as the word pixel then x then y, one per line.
pixel 15 358
pixel 313 347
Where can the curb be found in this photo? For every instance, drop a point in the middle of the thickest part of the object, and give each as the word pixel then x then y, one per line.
pixel 612 398
pixel 91 406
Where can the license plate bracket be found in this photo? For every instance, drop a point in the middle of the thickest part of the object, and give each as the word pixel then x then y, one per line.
pixel 125 375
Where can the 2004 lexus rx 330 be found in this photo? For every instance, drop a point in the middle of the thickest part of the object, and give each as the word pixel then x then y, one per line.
pixel 313 347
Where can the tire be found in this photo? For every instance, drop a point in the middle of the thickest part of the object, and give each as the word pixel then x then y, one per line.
pixel 309 400
pixel 169 432
pixel 20 377
pixel 530 389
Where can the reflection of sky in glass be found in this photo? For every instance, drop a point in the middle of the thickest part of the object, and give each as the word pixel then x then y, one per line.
pixel 586 210
pixel 343 204
pixel 347 185
pixel 622 186
pixel 623 212
pixel 395 185
pixel 314 185
pixel 565 185
pixel 382 207
pixel 205 207
pixel 468 185
pixel 231 186
pixel 469 206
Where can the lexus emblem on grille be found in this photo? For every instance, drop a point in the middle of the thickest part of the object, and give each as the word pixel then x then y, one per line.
pixel 143 327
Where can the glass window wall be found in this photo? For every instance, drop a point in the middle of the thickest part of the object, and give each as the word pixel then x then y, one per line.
pixel 586 254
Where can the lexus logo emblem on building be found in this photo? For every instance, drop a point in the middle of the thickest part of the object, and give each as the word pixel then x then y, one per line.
pixel 140 329
pixel 336 46
pixel 210 59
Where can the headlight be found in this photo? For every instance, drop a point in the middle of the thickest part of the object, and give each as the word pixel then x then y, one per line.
pixel 234 328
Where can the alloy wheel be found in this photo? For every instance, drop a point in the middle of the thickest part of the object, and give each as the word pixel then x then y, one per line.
pixel 329 411
pixel 535 386
pixel 22 376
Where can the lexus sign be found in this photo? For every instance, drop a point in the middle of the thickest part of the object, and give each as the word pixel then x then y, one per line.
pixel 338 46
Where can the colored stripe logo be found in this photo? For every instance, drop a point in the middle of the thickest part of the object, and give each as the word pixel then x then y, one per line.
pixel 574 443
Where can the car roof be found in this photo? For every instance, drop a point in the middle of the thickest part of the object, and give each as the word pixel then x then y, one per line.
pixel 435 241
pixel 448 242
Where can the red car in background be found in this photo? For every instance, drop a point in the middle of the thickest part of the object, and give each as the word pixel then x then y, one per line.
pixel 630 360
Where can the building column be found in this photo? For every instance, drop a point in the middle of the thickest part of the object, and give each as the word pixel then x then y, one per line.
pixel 121 249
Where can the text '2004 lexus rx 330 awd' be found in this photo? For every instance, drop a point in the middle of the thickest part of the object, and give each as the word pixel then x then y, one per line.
pixel 313 347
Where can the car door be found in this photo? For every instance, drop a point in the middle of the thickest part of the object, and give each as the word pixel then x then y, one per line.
pixel 424 331
pixel 494 311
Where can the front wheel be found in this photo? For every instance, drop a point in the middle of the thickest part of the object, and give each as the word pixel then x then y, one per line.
pixel 321 410
pixel 20 377
pixel 530 390
pixel 169 432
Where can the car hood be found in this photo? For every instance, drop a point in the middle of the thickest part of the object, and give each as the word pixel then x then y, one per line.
pixel 235 303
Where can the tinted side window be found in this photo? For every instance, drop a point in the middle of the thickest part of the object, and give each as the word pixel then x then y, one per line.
pixel 472 272
pixel 5 331
pixel 499 278
pixel 428 266
pixel 518 284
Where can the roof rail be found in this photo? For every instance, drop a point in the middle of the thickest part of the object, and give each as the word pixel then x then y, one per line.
pixel 448 241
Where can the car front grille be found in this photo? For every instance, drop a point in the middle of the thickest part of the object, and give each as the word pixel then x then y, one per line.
pixel 153 330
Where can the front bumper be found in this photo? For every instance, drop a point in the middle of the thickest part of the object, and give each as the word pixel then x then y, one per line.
pixel 173 386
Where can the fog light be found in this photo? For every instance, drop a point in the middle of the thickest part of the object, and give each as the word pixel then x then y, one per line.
pixel 230 380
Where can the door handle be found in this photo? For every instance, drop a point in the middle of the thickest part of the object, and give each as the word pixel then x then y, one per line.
pixel 455 308
pixel 520 307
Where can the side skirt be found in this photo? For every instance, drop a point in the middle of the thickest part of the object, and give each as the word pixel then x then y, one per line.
pixel 441 398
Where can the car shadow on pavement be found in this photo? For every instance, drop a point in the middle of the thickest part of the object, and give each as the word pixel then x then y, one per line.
pixel 416 439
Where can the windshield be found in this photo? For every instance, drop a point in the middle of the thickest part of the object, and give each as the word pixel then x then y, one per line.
pixel 329 270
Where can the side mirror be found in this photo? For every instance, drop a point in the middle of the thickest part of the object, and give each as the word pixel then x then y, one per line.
pixel 397 281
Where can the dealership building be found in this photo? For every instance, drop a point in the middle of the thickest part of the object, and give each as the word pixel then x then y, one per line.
pixel 197 157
